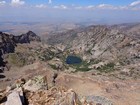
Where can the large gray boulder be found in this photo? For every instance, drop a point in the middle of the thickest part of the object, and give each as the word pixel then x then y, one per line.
pixel 14 99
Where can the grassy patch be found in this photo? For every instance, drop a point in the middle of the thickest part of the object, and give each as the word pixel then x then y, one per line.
pixel 46 55
pixel 53 67
pixel 16 59
pixel 107 68
pixel 94 61
pixel 83 66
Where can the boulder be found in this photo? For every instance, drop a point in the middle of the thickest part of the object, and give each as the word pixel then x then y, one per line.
pixel 70 98
pixel 45 81
pixel 2 95
pixel 35 84
pixel 97 100
pixel 14 99
pixel 56 64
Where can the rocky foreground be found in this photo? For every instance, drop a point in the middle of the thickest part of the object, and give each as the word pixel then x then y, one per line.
pixel 42 90
pixel 44 86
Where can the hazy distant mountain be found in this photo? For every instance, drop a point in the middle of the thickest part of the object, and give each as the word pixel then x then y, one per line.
pixel 130 29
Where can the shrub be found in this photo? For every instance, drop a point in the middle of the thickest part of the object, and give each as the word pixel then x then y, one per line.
pixel 53 67
pixel 107 68
pixel 83 66
pixel 46 55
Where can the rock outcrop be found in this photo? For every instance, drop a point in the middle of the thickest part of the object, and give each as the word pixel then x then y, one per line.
pixel 36 92
pixel 14 98
pixel 54 96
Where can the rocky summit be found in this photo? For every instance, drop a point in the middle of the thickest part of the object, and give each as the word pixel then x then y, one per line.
pixel 37 91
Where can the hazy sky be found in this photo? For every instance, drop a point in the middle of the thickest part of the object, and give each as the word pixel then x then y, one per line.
pixel 98 11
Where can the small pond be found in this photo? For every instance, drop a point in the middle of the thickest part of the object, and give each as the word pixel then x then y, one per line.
pixel 73 60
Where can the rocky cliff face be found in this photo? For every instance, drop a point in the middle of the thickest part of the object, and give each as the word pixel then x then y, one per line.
pixel 9 42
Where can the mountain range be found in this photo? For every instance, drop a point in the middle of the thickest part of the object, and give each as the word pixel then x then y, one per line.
pixel 118 43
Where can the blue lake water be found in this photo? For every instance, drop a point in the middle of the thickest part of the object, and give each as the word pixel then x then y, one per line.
pixel 73 60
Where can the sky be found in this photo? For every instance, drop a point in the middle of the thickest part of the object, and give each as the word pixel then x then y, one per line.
pixel 96 11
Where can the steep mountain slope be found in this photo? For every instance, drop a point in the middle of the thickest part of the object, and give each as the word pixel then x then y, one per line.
pixel 103 45
pixel 99 42
pixel 9 42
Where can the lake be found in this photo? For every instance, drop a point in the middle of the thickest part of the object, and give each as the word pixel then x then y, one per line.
pixel 73 60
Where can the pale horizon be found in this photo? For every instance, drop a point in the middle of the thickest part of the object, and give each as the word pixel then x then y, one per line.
pixel 53 11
